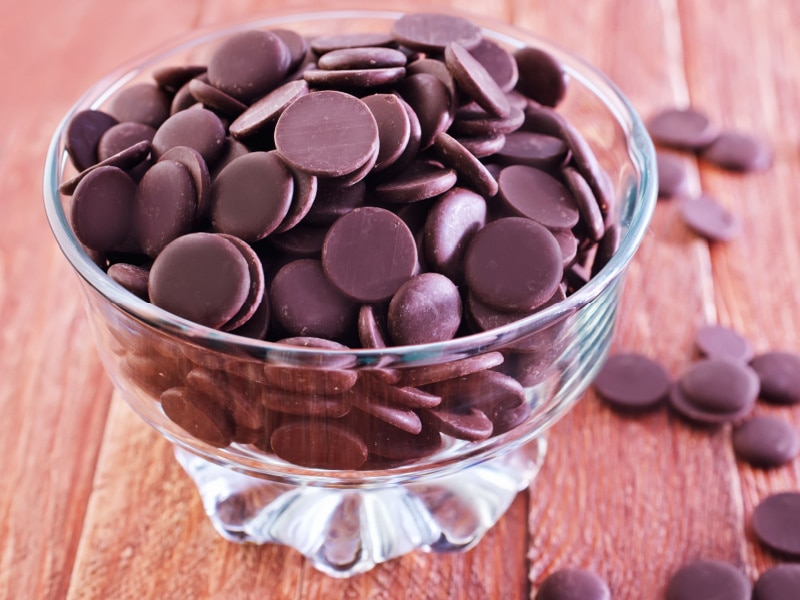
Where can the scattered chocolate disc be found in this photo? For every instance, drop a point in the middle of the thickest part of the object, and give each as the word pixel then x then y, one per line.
pixel 573 584
pixel 632 382
pixel 719 385
pixel 766 441
pixel 102 209
pixel 475 81
pixel 686 408
pixel 673 179
pixel 780 582
pixel 705 579
pixel 683 128
pixel 718 341
pixel 513 264
pixel 319 445
pixel 425 309
pixel 201 277
pixel 249 64
pixel 779 374
pixel 776 523
pixel 738 151
pixel 359 249
pixel 83 134
pixel 430 32
pixel 541 77
pixel 242 205
pixel 327 133
pixel 710 219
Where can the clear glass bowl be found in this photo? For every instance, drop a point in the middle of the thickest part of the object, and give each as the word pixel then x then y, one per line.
pixel 346 521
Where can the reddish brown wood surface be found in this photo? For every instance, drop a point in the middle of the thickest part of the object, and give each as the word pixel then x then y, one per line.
pixel 92 505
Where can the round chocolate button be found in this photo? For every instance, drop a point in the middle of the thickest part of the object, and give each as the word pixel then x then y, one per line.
pixel 718 341
pixel 539 196
pixel 369 253
pixel 779 373
pixel 431 32
pixel 541 76
pixel 632 381
pixel 704 579
pixel 327 133
pixel 684 128
pixel 776 523
pixel 102 208
pixel 513 264
pixel 426 309
pixel 720 385
pixel 766 441
pixel 201 277
pixel 573 584
pixel 781 582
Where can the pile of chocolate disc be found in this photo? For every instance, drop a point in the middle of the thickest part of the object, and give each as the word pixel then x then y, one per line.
pixel 360 190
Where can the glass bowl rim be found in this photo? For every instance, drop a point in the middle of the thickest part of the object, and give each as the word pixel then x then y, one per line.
pixel 640 151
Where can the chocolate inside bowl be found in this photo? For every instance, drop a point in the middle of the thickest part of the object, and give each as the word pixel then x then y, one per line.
pixel 353 259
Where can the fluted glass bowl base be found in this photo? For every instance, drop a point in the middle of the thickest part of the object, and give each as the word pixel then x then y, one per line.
pixel 345 531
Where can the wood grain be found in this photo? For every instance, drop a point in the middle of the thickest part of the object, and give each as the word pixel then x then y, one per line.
pixel 92 503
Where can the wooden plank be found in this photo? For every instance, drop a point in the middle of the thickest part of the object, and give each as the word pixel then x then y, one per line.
pixel 756 276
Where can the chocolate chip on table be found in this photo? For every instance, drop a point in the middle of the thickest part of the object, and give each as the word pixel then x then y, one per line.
pixel 704 579
pixel 673 179
pixel 726 409
pixel 541 76
pixel 719 385
pixel 82 135
pixel 776 523
pixel 779 374
pixel 631 381
pixel 717 341
pixel 326 133
pixel 780 582
pixel 710 219
pixel 738 151
pixel 201 277
pixel 573 583
pixel 766 441
pixel 682 128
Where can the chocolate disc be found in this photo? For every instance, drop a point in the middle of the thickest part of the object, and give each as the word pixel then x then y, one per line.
pixel 704 579
pixel 475 81
pixel 265 111
pixel 719 385
pixel 328 43
pixel 738 151
pixel 431 32
pixel 166 204
pixel 201 277
pixel 327 133
pixel 766 441
pixel 394 127
pixel 533 149
pixel 683 128
pixel 632 381
pixel 215 99
pixel 132 277
pixel 573 584
pixel 776 523
pixel 102 208
pixel 125 160
pixel 455 155
pixel 425 309
pixel 83 134
pixel 144 103
pixel 498 63
pixel 368 254
pixel 199 415
pixel 257 284
pixel 346 79
pixel 121 136
pixel 710 219
pixel 242 205
pixel 249 64
pixel 717 341
pixel 319 445
pixel 673 178
pixel 588 208
pixel 431 102
pixel 193 161
pixel 305 302
pixel 471 424
pixel 532 193
pixel 362 58
pixel 198 128
pixel 421 180
pixel 779 374
pixel 541 76
pixel 513 264
pixel 780 582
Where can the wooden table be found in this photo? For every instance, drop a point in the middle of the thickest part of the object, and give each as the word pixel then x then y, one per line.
pixel 92 504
